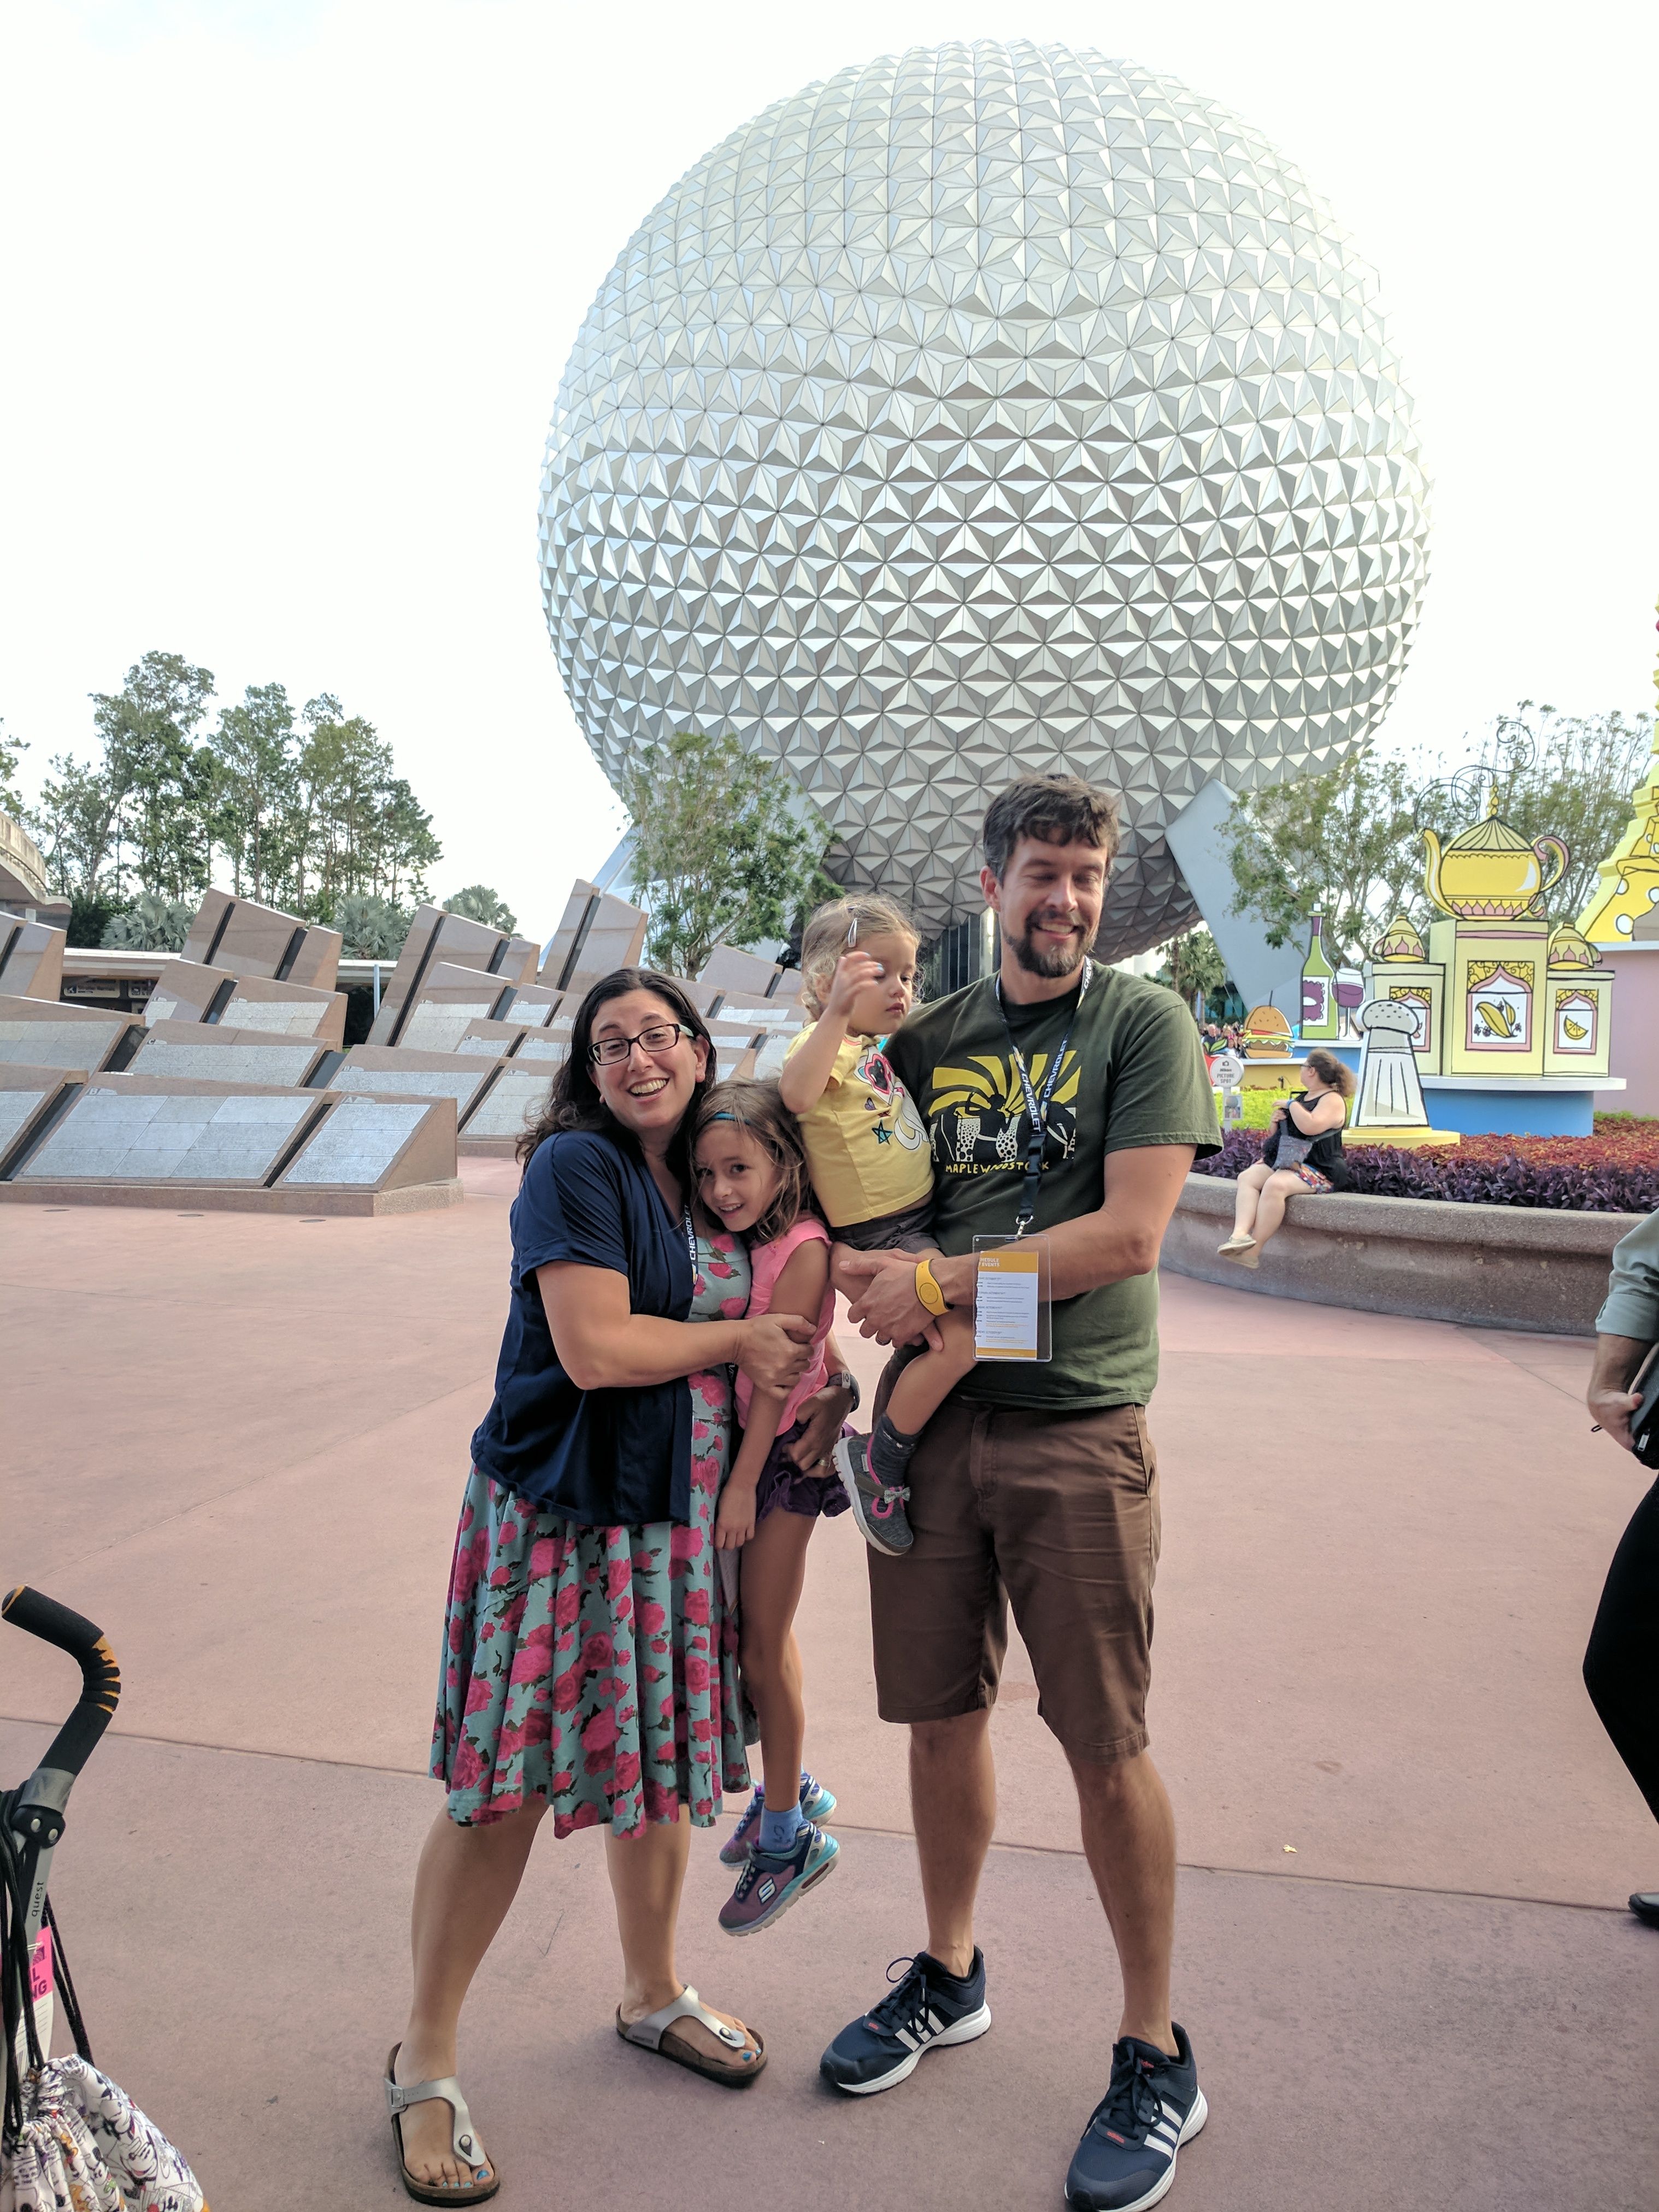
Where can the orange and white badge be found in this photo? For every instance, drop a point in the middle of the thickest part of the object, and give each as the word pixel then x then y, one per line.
pixel 1011 1298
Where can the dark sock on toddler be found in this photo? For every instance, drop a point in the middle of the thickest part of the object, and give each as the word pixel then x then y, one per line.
pixel 890 1452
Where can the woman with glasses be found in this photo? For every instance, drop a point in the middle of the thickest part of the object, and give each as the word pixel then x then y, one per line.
pixel 589 1664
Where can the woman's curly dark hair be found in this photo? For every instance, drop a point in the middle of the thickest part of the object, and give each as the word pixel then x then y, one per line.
pixel 574 1101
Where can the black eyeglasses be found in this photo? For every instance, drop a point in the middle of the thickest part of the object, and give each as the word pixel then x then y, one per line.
pixel 661 1037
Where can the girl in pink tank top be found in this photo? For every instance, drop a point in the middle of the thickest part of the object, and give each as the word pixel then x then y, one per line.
pixel 751 1176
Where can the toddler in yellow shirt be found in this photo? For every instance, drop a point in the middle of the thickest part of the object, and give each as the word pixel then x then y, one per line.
pixel 871 1171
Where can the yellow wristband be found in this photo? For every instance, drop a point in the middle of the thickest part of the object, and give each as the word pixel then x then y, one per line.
pixel 927 1290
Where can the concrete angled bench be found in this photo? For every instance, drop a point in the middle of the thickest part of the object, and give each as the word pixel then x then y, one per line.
pixel 1489 1267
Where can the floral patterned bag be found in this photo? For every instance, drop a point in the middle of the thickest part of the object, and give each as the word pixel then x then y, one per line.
pixel 70 2140
pixel 84 2146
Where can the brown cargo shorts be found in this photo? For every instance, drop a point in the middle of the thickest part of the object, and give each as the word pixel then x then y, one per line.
pixel 1057 1512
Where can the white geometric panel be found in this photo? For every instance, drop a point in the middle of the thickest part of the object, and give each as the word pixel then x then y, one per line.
pixel 441 1028
pixel 357 1143
pixel 119 1136
pixel 986 409
pixel 516 1101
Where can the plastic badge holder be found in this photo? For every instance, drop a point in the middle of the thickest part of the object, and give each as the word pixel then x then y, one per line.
pixel 1013 1297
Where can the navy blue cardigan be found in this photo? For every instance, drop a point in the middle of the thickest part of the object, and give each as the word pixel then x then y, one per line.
pixel 606 1458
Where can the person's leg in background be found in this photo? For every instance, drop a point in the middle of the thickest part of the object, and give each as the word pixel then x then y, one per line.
pixel 1246 1197
pixel 1621 1664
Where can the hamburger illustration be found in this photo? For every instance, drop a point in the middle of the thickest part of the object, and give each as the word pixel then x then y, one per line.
pixel 1266 1034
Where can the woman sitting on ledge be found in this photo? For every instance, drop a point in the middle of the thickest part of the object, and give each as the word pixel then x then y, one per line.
pixel 1302 1151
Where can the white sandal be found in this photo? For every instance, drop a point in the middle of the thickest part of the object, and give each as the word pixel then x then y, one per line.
pixel 652 2033
pixel 463 2138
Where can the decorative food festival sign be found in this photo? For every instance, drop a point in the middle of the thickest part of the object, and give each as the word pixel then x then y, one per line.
pixel 1497 992
pixel 1623 908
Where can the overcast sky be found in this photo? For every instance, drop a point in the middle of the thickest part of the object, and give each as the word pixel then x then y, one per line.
pixel 288 285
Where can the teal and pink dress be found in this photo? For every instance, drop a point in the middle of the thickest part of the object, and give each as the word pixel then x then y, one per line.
pixel 590 1662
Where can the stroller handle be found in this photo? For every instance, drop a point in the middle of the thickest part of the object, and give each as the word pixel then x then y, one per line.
pixel 100 1677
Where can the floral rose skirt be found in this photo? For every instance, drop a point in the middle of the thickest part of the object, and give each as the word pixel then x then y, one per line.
pixel 596 1668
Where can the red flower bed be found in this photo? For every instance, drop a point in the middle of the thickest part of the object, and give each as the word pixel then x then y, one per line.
pixel 1614 1172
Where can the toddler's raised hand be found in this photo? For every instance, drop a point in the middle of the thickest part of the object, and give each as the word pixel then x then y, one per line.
pixel 852 971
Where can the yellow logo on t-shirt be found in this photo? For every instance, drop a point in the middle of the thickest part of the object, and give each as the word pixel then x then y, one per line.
pixel 977 1113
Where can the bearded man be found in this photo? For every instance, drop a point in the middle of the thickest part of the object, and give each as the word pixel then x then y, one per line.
pixel 1071 1098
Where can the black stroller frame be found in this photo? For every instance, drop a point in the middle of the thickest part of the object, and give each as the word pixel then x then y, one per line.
pixel 33 1817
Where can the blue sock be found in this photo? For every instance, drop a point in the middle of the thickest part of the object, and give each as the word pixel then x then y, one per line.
pixel 778 1830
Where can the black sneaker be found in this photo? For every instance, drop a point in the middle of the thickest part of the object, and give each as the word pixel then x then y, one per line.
pixel 1153 2105
pixel 927 2007
pixel 1645 1906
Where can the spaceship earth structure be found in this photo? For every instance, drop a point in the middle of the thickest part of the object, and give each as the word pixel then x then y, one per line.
pixel 985 409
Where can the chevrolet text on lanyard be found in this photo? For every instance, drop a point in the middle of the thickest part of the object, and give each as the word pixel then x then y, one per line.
pixel 1035 1107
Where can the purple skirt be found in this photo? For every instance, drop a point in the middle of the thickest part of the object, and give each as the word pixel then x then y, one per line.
pixel 782 1482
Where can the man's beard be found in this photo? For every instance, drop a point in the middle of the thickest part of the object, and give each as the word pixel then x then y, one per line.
pixel 1063 960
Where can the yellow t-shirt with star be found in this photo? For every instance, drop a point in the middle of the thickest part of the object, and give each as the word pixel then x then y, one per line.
pixel 865 1147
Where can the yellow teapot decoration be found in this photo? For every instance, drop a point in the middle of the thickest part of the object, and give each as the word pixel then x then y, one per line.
pixel 1490 871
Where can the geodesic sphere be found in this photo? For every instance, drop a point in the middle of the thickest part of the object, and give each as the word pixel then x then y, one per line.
pixel 988 409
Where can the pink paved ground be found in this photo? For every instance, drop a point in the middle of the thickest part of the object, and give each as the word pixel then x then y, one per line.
pixel 237 1444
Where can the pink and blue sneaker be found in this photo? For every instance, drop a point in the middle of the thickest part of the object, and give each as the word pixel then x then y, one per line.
pixel 770 1885
pixel 877 1504
pixel 816 1804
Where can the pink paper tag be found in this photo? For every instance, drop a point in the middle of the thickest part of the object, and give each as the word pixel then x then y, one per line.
pixel 40 1982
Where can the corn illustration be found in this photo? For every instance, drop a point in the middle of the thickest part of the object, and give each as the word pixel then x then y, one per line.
pixel 1499 1019
pixel 1574 1029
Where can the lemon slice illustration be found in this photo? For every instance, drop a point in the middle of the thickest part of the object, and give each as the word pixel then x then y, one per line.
pixel 1574 1029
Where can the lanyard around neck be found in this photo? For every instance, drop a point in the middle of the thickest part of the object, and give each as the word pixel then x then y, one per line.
pixel 1037 1107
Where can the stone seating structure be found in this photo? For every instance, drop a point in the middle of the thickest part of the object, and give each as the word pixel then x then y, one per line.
pixel 746 976
pixel 41 1033
pixel 596 933
pixel 390 1070
pixel 241 938
pixel 502 1114
pixel 31 1098
pixel 153 1140
pixel 188 1052
pixel 529 1003
pixel 190 991
pixel 231 1105
pixel 31 958
pixel 440 1025
pixel 231 1090
pixel 435 936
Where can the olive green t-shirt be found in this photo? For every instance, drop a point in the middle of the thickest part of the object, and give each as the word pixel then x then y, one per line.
pixel 1133 1074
